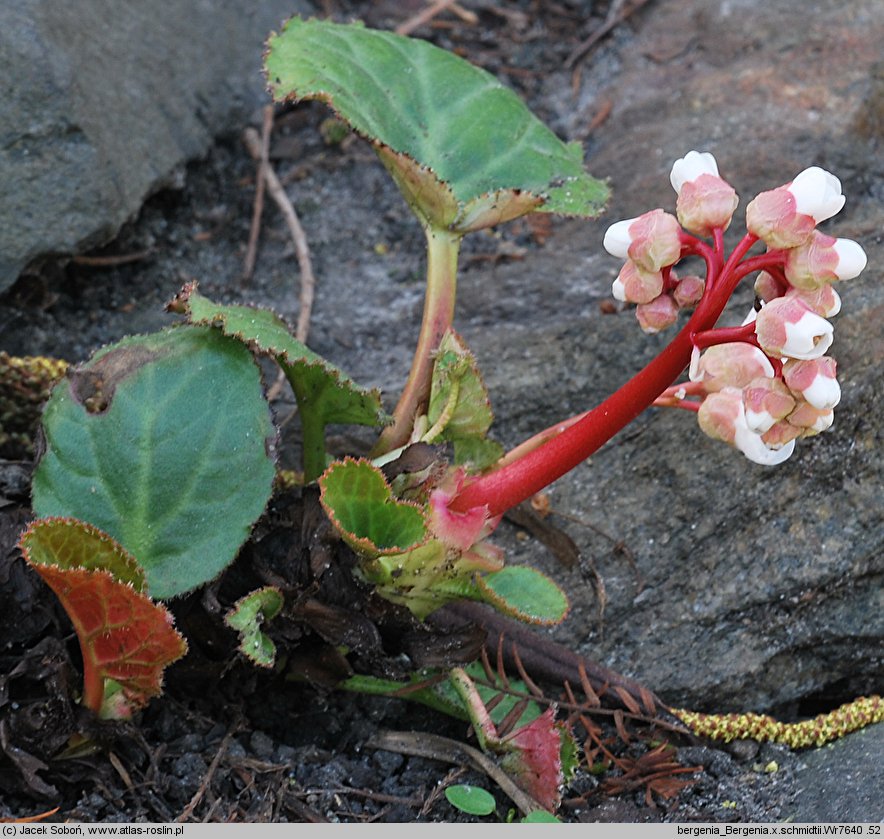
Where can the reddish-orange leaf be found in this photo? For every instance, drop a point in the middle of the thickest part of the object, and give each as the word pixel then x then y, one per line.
pixel 533 759
pixel 124 636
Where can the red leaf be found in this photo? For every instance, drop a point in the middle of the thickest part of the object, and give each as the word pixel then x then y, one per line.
pixel 533 759
pixel 124 636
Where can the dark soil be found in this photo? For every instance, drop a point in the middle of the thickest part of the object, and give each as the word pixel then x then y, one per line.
pixel 228 742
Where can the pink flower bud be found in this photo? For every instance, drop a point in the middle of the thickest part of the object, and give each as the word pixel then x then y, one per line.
pixel 786 327
pixel 785 217
pixel 652 240
pixel 657 315
pixel 781 434
pixel 636 286
pixel 722 417
pixel 772 217
pixel 719 414
pixel 730 365
pixel 766 402
pixel 824 300
pixel 823 259
pixel 815 381
pixel 705 204
pixel 809 420
pixel 767 287
pixel 689 291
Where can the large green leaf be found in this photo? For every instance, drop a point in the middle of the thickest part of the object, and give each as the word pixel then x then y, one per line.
pixel 464 149
pixel 162 441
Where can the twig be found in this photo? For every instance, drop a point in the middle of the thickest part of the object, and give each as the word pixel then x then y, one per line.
pixel 615 17
pixel 187 812
pixel 111 260
pixel 408 26
pixel 248 266
pixel 277 193
pixel 442 748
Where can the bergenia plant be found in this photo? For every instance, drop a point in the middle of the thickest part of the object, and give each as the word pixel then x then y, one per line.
pixel 159 452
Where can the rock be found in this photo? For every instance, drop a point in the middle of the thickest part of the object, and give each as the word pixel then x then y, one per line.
pixel 836 783
pixel 102 102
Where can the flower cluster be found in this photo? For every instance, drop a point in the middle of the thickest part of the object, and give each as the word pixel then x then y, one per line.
pixel 761 386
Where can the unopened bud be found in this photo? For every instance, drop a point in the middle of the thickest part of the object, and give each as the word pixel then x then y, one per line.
pixel 823 259
pixel 810 420
pixel 766 402
pixel 689 291
pixel 734 364
pixel 815 381
pixel 657 315
pixel 655 240
pixel 787 327
pixel 636 286
pixel 768 287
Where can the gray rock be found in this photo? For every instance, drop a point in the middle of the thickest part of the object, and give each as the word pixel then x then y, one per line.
pixel 837 783
pixel 101 102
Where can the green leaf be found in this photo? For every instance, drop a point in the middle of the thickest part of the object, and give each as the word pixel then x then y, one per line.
pixel 325 393
pixel 465 150
pixel 469 799
pixel 540 817
pixel 358 500
pixel 330 392
pixel 524 593
pixel 442 696
pixel 162 441
pixel 459 409
pixel 247 616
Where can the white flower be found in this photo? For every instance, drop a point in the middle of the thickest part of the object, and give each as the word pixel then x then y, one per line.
pixel 823 393
pixel 690 167
pixel 817 193
pixel 788 327
pixel 617 239
pixel 809 338
pixel 852 259
pixel 751 445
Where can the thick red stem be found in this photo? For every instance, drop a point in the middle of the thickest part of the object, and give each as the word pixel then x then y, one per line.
pixel 518 480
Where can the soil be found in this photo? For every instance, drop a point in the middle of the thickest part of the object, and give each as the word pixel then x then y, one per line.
pixel 227 742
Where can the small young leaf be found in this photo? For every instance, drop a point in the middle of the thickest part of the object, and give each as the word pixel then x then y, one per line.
pixel 459 410
pixel 162 441
pixel 247 616
pixel 358 500
pixel 465 150
pixel 125 639
pixel 469 799
pixel 524 593
pixel 540 817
